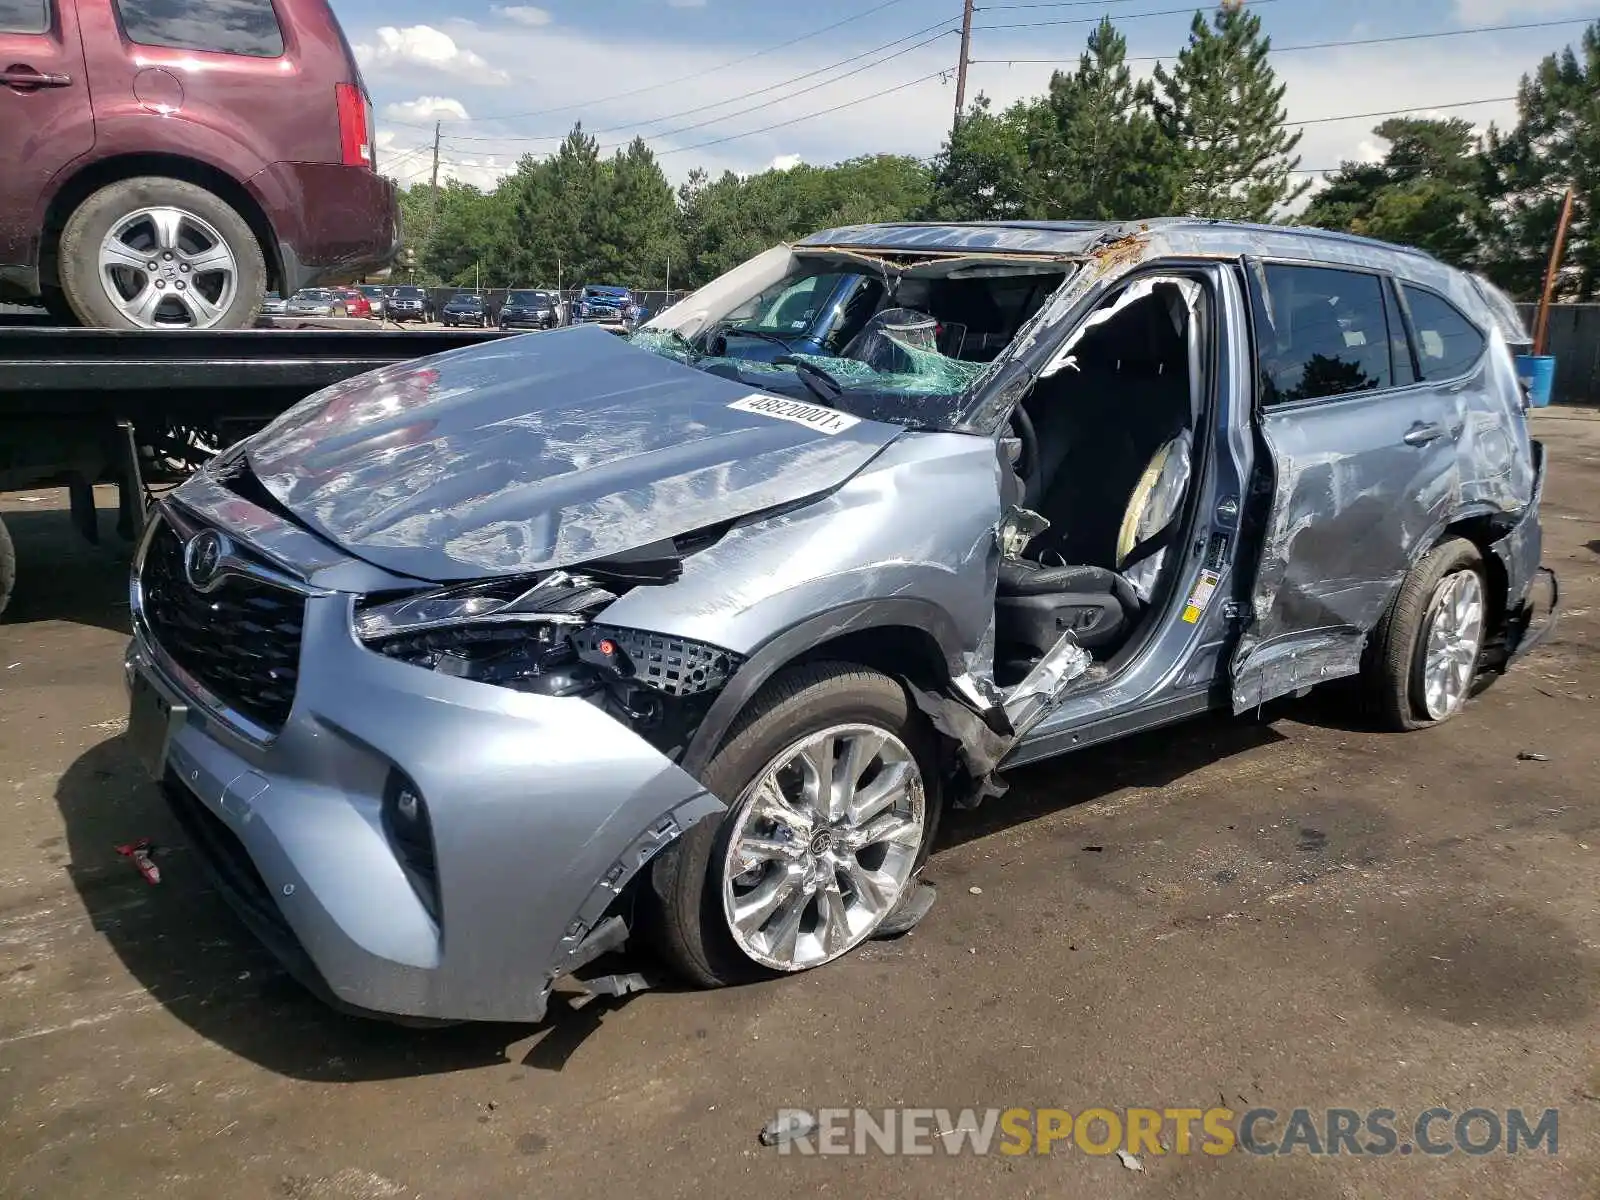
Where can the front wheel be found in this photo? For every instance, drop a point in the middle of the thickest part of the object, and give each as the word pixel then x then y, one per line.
pixel 158 253
pixel 833 799
pixel 1425 653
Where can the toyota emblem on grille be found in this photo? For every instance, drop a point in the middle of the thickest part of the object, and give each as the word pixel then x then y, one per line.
pixel 202 558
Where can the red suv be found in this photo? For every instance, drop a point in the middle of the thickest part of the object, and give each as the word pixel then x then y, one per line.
pixel 168 162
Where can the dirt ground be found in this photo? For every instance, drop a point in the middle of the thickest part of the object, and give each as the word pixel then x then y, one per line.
pixel 1292 914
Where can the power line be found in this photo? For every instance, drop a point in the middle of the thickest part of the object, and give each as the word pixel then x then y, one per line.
pixel 1061 4
pixel 1404 37
pixel 1399 112
pixel 1166 12
pixel 808 116
pixel 743 96
pixel 722 66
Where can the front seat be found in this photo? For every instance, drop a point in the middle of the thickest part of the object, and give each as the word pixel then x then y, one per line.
pixel 1035 604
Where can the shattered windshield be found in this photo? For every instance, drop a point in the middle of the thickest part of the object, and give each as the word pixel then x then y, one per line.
pixel 905 347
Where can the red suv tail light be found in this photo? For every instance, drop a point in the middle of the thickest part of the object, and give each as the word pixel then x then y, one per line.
pixel 355 140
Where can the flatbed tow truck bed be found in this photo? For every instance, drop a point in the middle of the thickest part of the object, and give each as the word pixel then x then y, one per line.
pixel 86 406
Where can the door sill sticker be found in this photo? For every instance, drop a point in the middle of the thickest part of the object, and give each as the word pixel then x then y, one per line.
pixel 1200 596
pixel 813 416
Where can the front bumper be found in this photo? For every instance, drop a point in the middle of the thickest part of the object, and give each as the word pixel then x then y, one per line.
pixel 542 810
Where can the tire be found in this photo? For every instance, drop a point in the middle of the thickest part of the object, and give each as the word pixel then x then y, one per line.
pixel 8 567
pixel 684 915
pixel 88 289
pixel 1394 674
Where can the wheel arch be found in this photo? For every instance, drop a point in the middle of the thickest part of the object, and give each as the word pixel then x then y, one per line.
pixel 1483 527
pixel 96 175
pixel 907 638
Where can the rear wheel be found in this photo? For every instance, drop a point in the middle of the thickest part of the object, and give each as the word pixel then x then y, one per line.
pixel 158 253
pixel 1425 653
pixel 833 804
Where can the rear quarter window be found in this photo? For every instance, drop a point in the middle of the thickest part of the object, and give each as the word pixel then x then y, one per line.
pixel 24 16
pixel 248 27
pixel 1448 345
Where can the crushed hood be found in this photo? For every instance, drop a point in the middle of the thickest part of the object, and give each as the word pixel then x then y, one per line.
pixel 544 451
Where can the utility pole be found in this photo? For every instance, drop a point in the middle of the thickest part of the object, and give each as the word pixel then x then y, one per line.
pixel 1541 324
pixel 433 203
pixel 966 57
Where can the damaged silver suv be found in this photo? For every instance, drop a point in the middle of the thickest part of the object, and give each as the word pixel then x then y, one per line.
pixel 469 670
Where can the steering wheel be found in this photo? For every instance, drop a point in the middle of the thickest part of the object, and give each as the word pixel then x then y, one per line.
pixel 1027 464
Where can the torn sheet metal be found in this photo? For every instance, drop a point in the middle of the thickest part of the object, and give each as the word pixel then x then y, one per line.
pixel 1030 701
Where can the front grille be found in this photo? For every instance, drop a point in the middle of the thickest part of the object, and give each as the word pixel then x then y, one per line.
pixel 240 641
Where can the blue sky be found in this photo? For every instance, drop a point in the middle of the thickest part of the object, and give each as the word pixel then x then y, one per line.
pixel 510 78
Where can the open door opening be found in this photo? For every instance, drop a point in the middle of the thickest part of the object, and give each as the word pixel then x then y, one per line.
pixel 1104 454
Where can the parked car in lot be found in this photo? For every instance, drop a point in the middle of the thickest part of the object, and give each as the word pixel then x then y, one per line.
pixel 316 302
pixel 468 670
pixel 273 305
pixel 355 304
pixel 166 164
pixel 407 303
pixel 530 309
pixel 602 303
pixel 464 309
pixel 375 297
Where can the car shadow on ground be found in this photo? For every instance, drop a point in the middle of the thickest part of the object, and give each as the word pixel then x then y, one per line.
pixel 61 577
pixel 1145 760
pixel 181 943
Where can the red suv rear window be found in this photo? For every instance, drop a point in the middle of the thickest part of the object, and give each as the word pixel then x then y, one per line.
pixel 224 26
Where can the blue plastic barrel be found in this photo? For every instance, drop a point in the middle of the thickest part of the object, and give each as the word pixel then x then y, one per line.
pixel 1538 373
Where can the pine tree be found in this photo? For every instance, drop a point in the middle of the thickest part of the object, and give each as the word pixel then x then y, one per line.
pixel 1425 192
pixel 1221 106
pixel 637 221
pixel 1096 150
pixel 1556 144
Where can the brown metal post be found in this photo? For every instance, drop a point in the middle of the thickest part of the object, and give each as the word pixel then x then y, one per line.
pixel 1541 324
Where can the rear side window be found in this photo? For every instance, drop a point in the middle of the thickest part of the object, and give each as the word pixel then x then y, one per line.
pixel 1447 343
pixel 24 16
pixel 223 26
pixel 1327 334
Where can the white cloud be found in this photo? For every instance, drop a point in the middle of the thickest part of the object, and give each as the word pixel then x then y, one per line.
pixel 425 46
pixel 563 62
pixel 785 162
pixel 1479 12
pixel 426 108
pixel 523 14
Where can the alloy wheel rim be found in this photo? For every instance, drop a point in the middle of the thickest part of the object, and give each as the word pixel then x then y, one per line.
pixel 823 846
pixel 1452 643
pixel 165 267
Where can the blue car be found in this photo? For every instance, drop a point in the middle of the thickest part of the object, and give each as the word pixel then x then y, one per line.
pixel 602 302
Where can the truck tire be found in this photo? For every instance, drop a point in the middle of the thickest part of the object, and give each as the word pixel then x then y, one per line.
pixel 8 567
pixel 158 253
pixel 813 886
pixel 1423 657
